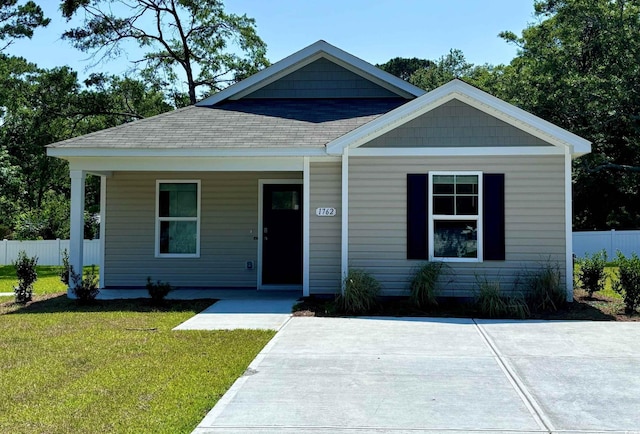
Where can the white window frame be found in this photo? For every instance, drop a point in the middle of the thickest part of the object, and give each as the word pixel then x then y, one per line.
pixel 433 217
pixel 161 219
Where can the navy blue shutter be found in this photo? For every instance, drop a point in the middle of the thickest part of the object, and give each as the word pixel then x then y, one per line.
pixel 417 213
pixel 493 216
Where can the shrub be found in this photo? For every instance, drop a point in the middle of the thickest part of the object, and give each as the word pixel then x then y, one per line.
pixel 493 304
pixel 628 282
pixel 64 273
pixel 423 285
pixel 159 290
pixel 360 293
pixel 591 273
pixel 545 291
pixel 26 273
pixel 85 288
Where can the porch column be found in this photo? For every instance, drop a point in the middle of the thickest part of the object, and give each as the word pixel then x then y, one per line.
pixel 306 209
pixel 103 223
pixel 345 217
pixel 76 235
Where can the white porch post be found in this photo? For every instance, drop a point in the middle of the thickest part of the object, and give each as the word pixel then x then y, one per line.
pixel 345 217
pixel 76 238
pixel 306 208
pixel 103 223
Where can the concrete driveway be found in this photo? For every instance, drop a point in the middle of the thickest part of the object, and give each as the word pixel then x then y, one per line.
pixel 404 375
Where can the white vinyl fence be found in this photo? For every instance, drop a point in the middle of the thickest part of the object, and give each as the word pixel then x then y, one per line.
pixel 627 242
pixel 49 252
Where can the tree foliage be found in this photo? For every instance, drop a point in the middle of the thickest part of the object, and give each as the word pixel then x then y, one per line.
pixel 19 21
pixel 194 40
pixel 43 106
pixel 579 67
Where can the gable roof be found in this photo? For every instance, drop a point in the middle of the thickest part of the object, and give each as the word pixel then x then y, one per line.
pixel 458 89
pixel 313 52
pixel 244 127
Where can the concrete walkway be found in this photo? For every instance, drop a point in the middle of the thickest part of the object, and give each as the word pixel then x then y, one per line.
pixel 404 375
pixel 244 310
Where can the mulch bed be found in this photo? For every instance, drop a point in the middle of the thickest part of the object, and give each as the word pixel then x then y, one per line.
pixel 598 308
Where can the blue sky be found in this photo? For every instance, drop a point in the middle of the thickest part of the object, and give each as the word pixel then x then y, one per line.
pixel 374 30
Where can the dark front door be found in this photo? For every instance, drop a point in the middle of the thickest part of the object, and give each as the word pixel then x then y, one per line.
pixel 282 234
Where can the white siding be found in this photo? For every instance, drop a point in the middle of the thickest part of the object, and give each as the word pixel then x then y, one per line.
pixel 229 224
pixel 325 232
pixel 534 215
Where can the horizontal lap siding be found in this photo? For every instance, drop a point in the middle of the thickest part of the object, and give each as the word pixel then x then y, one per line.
pixel 229 223
pixel 534 213
pixel 325 232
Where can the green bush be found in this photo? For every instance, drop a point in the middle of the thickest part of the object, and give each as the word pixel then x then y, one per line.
pixel 64 273
pixel 423 285
pixel 493 304
pixel 361 292
pixel 591 272
pixel 628 282
pixel 158 290
pixel 545 291
pixel 26 273
pixel 85 288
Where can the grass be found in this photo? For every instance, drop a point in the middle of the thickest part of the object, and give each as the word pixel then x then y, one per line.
pixel 114 366
pixel 48 280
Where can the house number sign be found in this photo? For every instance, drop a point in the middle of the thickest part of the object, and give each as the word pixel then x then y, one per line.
pixel 325 212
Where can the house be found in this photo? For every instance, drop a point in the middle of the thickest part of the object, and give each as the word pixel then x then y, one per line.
pixel 320 163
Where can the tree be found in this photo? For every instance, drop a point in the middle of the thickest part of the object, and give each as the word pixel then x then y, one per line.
pixel 403 67
pixel 19 21
pixel 578 67
pixel 193 38
pixel 45 106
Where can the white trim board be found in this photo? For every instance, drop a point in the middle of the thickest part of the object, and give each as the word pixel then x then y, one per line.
pixel 456 151
pixel 261 184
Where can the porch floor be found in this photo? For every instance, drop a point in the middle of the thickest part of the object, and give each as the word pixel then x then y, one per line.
pixel 198 293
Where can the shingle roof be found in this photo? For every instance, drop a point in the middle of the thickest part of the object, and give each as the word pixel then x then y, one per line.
pixel 242 124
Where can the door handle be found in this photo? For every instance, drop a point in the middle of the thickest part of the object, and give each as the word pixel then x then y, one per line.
pixel 266 238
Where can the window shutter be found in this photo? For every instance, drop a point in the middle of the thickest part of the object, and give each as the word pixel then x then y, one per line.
pixel 493 217
pixel 417 206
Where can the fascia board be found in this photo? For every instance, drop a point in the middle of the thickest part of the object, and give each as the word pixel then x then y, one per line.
pixel 185 152
pixel 481 100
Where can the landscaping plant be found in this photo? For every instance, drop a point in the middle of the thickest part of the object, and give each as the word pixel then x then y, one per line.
pixel 591 272
pixel 423 285
pixel 26 273
pixel 64 273
pixel 158 290
pixel 493 304
pixel 360 294
pixel 85 288
pixel 545 291
pixel 628 282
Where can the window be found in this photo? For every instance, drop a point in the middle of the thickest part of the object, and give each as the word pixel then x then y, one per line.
pixel 455 230
pixel 178 219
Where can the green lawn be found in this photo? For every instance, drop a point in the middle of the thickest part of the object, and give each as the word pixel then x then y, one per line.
pixel 115 366
pixel 48 280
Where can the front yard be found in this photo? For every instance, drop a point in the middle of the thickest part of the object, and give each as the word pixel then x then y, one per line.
pixel 114 366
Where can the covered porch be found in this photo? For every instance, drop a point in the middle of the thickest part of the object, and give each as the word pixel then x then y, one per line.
pixel 235 242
